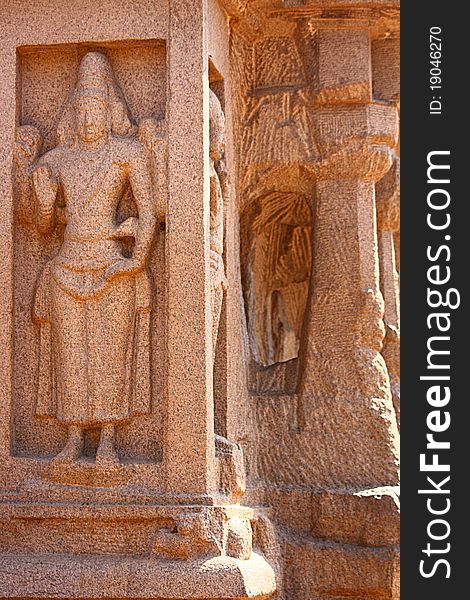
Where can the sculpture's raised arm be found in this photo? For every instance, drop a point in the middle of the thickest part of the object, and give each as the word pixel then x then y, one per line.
pixel 46 185
pixel 28 142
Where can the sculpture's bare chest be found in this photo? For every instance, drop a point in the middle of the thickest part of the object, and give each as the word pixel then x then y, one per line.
pixel 92 181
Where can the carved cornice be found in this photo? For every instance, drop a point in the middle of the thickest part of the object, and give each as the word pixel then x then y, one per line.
pixel 355 142
pixel 381 18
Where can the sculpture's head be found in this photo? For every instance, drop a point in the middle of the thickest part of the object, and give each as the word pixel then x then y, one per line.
pixel 91 98
pixel 96 108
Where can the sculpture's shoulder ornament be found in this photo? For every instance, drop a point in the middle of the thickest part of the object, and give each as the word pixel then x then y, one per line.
pixel 128 150
pixel 54 159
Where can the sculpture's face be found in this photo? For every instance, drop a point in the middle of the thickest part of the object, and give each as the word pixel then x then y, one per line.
pixel 92 119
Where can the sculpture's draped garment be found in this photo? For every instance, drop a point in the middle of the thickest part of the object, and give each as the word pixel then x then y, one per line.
pixel 94 362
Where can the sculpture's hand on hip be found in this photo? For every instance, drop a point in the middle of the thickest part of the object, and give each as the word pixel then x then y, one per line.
pixel 23 152
pixel 45 185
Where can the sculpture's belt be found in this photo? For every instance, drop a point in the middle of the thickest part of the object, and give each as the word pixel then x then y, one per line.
pixel 101 237
pixel 74 285
pixel 88 255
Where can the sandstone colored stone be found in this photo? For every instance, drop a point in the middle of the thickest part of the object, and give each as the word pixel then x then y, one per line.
pixel 199 327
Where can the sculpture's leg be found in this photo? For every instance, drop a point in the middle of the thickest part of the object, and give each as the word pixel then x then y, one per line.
pixel 74 446
pixel 106 454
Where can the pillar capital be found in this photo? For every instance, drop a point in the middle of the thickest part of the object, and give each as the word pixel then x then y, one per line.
pixel 354 141
pixel 353 133
pixel 386 69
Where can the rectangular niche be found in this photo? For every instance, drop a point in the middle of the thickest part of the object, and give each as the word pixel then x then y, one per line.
pixel 46 76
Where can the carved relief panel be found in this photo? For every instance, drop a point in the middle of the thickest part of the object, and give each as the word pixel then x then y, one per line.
pixel 277 202
pixel 89 265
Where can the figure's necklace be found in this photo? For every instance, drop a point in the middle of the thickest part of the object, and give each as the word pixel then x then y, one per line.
pixel 92 155
pixel 95 160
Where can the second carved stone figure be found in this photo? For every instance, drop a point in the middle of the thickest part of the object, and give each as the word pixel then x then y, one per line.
pixel 219 194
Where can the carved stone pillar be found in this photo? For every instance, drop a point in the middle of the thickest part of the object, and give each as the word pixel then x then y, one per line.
pixel 190 434
pixel 386 88
pixel 388 223
pixel 348 385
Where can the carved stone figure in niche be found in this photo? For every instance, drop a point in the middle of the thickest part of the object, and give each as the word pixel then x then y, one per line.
pixel 93 299
pixel 219 193
pixel 276 274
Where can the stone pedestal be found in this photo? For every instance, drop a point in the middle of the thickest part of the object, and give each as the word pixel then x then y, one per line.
pixel 74 542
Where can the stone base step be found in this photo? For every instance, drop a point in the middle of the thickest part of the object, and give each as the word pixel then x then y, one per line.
pixel 63 577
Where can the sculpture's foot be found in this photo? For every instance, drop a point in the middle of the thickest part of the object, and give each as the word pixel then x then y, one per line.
pixel 73 448
pixel 106 454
